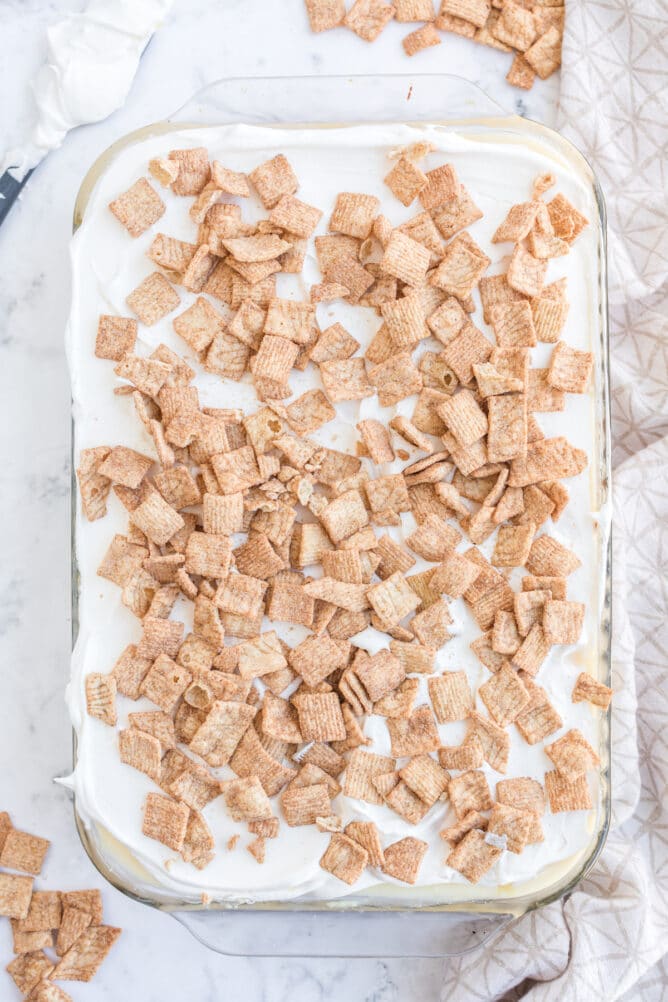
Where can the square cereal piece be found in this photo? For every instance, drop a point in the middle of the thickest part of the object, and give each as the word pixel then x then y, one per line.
pixel 141 751
pixel 29 969
pixel 199 324
pixel 376 439
pixel 567 795
pixel 345 858
pixel 345 379
pixel 463 417
pixel 538 719
pixel 101 697
pixel 466 756
pixel 207 555
pixel 421 38
pixel 165 820
pixel 138 207
pixel 567 222
pixel 194 171
pixel 433 539
pixel 570 370
pixel 45 911
pixel 473 11
pixel 505 636
pixel 587 688
pixel 425 777
pixel 572 755
pixel 217 737
pixel 241 595
pixel 447 320
pixel 160 636
pixel 405 320
pixel 402 859
pixel 534 649
pixel 405 259
pixel 520 73
pixel 129 672
pixel 513 824
pixel 155 518
pixel 395 379
pixel 115 337
pixel 522 792
pixel 295 216
pixel 431 625
pixel 494 739
pixel 257 557
pixel 414 735
pixel 89 901
pixel 275 358
pixel 547 459
pixel 125 466
pixel 341 518
pixel 550 558
pixel 473 857
pixel 274 179
pixel 406 180
pixel 246 800
pixel 361 768
pixel 515 27
pixel 303 804
pixel 368 18
pixel 392 599
pixel 15 895
pixel 504 695
pixel 28 942
pixel 407 804
pixel 393 558
pixel 549 317
pixel 320 717
pixel 345 270
pixel 507 427
pixel 513 324
pixel 413 10
pixel 93 488
pixel 292 320
pixel 333 343
pixel 461 268
pixel 366 834
pixel 513 544
pixel 353 214
pixel 450 696
pixel 528 608
pixel 457 213
pixel 469 792
pixel 526 273
pixel 153 299
pixel 544 56
pixel 325 14
pixel 82 960
pixel 442 186
pixel 165 683
pixel 468 348
pixel 562 621
pixel 388 493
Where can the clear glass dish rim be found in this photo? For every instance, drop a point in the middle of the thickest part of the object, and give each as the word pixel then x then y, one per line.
pixel 509 124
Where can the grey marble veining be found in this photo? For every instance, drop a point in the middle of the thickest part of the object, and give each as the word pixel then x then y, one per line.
pixel 156 960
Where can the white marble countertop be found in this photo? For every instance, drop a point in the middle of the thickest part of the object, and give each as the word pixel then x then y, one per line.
pixel 155 960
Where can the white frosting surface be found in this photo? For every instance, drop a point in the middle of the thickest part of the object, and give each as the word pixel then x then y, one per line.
pixel 107 264
pixel 91 62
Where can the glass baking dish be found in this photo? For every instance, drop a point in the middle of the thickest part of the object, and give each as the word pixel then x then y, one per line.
pixel 350 927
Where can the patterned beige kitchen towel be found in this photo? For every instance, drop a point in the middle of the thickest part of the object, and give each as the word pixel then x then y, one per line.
pixel 609 940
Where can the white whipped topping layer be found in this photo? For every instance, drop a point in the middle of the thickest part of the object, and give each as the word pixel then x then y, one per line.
pixel 92 59
pixel 107 264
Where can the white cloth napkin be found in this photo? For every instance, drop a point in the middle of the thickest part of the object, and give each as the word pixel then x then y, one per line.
pixel 609 939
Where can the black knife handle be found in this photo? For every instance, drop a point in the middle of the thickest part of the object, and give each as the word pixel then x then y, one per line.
pixel 10 189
